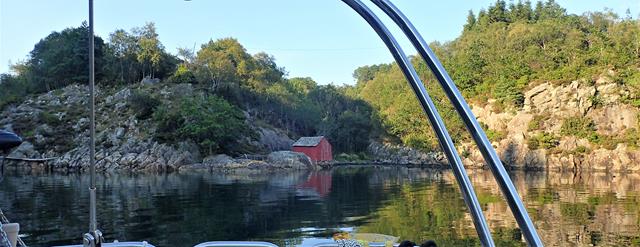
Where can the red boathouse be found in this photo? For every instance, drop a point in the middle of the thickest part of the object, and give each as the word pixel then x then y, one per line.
pixel 316 147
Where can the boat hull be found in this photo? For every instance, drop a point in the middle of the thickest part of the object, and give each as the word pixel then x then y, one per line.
pixel 9 140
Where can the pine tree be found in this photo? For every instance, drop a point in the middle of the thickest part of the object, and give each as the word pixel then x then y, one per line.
pixel 471 21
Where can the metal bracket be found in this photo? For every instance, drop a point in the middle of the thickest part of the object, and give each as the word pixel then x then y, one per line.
pixel 93 239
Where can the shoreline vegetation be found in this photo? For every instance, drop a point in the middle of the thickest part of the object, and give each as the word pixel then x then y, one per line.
pixel 553 91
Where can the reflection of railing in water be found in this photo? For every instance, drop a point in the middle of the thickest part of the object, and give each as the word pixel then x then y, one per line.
pixel 446 143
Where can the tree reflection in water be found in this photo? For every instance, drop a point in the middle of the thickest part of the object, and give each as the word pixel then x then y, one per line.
pixel 290 208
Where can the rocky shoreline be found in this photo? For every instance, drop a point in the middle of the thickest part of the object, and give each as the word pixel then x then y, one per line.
pixel 55 125
pixel 156 160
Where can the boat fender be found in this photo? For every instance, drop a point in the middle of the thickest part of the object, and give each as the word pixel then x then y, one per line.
pixel 428 243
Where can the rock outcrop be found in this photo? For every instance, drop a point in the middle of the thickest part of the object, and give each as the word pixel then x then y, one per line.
pixel 289 159
pixel 56 124
pixel 393 154
pixel 546 108
pixel 273 139
pixel 279 160
pixel 610 145
pixel 135 155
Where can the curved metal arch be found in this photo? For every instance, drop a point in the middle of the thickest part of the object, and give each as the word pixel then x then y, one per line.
pixel 461 106
pixel 434 117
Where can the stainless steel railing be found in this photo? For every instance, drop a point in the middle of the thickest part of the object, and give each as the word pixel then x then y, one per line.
pixel 434 117
pixel 462 108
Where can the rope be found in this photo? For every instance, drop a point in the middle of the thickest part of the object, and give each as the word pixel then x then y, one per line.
pixel 4 220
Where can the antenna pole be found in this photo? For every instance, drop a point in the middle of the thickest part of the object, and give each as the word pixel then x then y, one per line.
pixel 94 237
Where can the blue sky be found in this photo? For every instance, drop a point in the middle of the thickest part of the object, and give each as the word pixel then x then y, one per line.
pixel 323 39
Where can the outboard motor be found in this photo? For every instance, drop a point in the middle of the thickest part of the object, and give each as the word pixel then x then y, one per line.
pixel 8 140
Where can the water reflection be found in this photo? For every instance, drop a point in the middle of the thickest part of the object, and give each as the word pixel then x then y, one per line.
pixel 295 208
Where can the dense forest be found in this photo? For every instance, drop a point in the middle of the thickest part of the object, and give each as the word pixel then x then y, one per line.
pixel 501 52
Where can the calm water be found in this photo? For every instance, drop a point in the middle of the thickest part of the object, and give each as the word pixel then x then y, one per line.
pixel 298 208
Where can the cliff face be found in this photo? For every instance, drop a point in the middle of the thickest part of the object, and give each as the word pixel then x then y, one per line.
pixel 56 124
pixel 579 126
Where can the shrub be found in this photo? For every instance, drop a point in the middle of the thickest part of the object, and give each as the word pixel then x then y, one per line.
pixel 543 140
pixel 212 122
pixel 142 104
pixel 507 91
pixel 582 127
pixel 629 137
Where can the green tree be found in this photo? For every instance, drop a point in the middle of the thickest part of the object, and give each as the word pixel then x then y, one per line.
pixel 471 21
pixel 133 55
pixel 507 51
pixel 302 85
pixel 124 48
pixel 150 49
pixel 521 11
pixel 549 10
pixel 366 73
pixel 221 62
pixel 352 131
pixel 498 12
pixel 266 71
pixel 14 88
pixel 61 59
